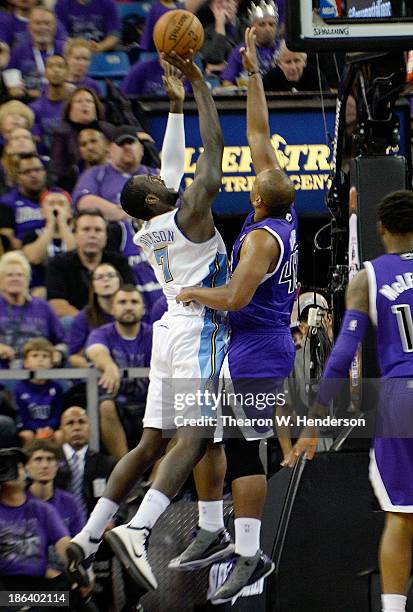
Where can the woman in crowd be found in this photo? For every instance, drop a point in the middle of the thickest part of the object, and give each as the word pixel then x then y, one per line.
pixel 78 56
pixel 104 283
pixel 14 114
pixel 83 109
pixel 22 317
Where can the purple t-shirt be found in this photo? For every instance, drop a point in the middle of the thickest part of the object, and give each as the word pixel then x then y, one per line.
pixel 38 405
pixel 105 181
pixel 27 213
pixel 126 353
pixel 32 64
pixel 48 114
pixel 159 308
pixel 67 507
pixel 80 330
pixel 19 324
pixel 89 83
pixel 13 29
pixel 92 21
pixel 234 67
pixel 26 532
pixel 157 10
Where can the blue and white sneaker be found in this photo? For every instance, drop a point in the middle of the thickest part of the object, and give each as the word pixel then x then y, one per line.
pixel 244 572
pixel 206 548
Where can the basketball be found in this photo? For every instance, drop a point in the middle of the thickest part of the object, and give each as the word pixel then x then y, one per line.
pixel 178 31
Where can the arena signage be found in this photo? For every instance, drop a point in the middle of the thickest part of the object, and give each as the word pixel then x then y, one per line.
pixel 299 140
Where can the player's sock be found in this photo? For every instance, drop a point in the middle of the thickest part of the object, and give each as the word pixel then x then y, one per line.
pixel 247 536
pixel 91 534
pixel 211 515
pixel 153 505
pixel 393 603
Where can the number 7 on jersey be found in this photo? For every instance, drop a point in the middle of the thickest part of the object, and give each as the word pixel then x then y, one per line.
pixel 162 259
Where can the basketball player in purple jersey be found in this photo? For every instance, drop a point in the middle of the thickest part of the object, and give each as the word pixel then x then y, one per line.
pixel 383 291
pixel 259 298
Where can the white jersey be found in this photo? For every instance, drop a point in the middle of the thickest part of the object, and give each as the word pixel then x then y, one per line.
pixel 178 262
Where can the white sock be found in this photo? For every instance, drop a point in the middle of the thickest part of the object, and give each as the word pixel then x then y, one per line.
pixel 153 505
pixel 247 536
pixel 102 514
pixel 393 603
pixel 211 515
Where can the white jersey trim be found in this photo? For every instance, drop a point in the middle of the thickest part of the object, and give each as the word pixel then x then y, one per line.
pixel 372 282
pixel 281 244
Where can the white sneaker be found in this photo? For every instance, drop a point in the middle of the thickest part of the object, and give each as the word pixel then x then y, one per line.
pixel 130 545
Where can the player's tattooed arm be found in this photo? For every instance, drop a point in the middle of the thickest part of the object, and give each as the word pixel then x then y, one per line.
pixel 259 254
pixel 357 296
pixel 194 216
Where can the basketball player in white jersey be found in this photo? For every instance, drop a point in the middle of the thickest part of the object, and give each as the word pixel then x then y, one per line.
pixel 184 249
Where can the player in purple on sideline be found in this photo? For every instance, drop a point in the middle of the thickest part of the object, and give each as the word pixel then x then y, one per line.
pixel 259 298
pixel 383 292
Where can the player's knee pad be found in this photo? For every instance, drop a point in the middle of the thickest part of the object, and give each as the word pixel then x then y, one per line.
pixel 243 458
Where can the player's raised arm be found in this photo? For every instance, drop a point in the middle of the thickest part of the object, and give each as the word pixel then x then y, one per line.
pixel 173 147
pixel 258 127
pixel 194 216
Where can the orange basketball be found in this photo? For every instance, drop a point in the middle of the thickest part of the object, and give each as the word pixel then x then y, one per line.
pixel 178 31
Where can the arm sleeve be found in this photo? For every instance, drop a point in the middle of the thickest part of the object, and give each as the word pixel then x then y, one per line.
pixel 352 332
pixel 173 151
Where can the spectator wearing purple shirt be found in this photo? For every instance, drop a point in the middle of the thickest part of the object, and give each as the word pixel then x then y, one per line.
pixel 78 56
pixel 39 402
pixel 42 466
pixel 20 210
pixel 13 26
pixel 48 108
pixel 157 10
pixel 23 318
pixel 95 20
pixel 266 31
pixel 101 186
pixel 30 55
pixel 27 528
pixel 104 283
pixel 126 343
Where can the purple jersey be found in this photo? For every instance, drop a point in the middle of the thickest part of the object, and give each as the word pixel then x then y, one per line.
pixel 38 405
pixel 27 213
pixel 26 531
pixel 391 305
pixel 93 20
pixel 269 311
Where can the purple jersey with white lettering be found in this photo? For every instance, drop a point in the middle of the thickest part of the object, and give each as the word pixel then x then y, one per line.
pixel 391 305
pixel 269 311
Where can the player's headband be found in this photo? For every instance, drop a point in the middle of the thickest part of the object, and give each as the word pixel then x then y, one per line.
pixel 263 9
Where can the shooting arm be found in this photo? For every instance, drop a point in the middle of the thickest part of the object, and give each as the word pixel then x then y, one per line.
pixel 259 251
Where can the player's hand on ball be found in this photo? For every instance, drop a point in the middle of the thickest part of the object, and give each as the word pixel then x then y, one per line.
pixel 172 81
pixel 186 66
pixel 306 443
pixel 249 52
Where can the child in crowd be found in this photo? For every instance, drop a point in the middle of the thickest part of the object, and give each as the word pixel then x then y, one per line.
pixel 39 402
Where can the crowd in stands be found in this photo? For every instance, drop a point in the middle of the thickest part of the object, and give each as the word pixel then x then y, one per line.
pixel 75 291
